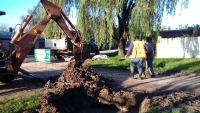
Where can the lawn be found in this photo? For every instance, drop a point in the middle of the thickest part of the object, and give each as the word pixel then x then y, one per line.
pixel 189 65
pixel 20 104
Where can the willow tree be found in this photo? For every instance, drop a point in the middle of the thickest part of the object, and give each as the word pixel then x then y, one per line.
pixel 37 13
pixel 52 30
pixel 4 26
pixel 116 20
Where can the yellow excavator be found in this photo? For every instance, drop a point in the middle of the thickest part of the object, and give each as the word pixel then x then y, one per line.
pixel 11 61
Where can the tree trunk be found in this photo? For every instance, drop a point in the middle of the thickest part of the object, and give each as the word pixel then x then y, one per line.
pixel 121 47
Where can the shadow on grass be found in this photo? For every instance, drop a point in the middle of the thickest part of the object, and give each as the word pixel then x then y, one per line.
pixel 180 67
pixel 185 66
pixel 162 62
pixel 175 80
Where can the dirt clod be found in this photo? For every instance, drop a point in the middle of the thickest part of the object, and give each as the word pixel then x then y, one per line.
pixel 187 101
pixel 145 105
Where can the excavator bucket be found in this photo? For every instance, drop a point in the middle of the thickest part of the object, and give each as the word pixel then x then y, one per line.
pixel 85 52
pixel 81 53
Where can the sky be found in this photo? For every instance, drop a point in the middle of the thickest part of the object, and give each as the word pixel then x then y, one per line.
pixel 190 16
pixel 15 8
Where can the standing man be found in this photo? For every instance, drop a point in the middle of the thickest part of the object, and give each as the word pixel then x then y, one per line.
pixel 137 53
pixel 150 56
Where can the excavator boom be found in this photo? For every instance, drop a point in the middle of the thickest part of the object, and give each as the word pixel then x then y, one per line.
pixel 24 41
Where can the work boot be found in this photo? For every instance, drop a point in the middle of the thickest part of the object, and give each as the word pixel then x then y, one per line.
pixel 132 74
pixel 140 76
pixel 144 74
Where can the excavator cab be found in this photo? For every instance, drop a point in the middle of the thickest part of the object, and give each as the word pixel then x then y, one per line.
pixel 23 42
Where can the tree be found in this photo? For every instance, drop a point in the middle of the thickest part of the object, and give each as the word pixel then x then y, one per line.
pixel 116 20
pixel 37 13
pixel 52 30
pixel 4 27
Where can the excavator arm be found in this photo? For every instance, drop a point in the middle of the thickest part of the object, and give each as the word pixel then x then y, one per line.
pixel 24 41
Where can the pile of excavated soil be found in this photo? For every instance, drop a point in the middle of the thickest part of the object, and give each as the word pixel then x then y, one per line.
pixel 79 88
pixel 184 100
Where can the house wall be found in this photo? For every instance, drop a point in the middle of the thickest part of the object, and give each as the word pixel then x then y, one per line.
pixel 178 47
pixel 56 43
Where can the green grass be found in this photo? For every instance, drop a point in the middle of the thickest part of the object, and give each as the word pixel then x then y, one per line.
pixel 160 64
pixel 20 104
pixel 177 65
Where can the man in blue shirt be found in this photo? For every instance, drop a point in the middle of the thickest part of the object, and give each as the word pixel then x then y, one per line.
pixel 150 56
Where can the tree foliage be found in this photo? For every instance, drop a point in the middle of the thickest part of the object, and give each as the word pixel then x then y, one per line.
pixel 146 16
pixel 98 19
pixel 4 27
pixel 38 14
pixel 52 30
pixel 117 19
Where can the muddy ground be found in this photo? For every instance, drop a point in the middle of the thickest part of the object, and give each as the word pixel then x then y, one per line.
pixel 104 90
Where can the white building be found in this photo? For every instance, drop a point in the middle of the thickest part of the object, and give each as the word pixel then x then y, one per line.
pixel 178 44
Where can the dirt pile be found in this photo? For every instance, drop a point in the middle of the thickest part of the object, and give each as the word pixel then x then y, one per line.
pixel 80 87
pixel 81 90
pixel 184 100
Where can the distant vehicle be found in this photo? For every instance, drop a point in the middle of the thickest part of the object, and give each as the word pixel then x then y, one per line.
pixel 93 47
pixel 63 47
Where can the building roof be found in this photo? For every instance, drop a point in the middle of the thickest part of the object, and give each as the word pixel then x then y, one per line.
pixel 7 35
pixel 179 33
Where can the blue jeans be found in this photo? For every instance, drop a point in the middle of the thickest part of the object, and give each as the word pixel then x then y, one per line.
pixel 137 62
pixel 150 65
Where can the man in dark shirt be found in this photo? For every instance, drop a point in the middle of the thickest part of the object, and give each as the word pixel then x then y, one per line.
pixel 149 56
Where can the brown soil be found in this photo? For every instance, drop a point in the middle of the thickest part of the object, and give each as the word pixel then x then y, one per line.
pixel 84 89
pixel 79 88
pixel 20 87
